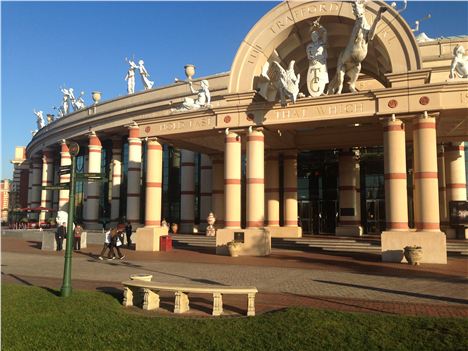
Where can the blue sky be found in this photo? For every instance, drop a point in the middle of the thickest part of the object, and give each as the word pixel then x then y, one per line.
pixel 83 45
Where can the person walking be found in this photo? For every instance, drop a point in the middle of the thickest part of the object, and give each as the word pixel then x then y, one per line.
pixel 60 234
pixel 107 244
pixel 128 232
pixel 77 237
pixel 116 242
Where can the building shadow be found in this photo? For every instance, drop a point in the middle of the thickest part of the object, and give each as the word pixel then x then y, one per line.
pixel 397 292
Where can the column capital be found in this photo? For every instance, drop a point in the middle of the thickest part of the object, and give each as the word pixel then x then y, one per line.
pixel 93 139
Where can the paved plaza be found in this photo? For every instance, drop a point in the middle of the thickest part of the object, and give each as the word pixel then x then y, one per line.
pixel 286 278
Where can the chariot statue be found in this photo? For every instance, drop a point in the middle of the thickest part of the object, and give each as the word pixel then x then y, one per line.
pixel 350 59
pixel 284 81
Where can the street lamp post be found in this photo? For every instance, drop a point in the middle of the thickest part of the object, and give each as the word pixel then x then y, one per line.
pixel 66 286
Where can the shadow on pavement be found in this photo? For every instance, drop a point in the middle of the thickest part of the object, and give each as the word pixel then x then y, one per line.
pixel 398 292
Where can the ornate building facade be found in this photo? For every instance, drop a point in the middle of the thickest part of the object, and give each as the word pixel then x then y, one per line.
pixel 306 134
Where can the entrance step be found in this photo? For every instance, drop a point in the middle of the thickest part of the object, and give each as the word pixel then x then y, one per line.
pixel 200 242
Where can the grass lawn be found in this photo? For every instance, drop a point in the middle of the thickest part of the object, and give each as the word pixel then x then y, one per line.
pixel 36 319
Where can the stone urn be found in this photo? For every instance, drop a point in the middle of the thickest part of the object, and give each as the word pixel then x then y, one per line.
pixel 96 95
pixel 413 254
pixel 189 71
pixel 234 248
pixel 174 227
pixel 210 229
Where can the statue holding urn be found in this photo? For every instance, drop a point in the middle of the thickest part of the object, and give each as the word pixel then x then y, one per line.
pixel 210 229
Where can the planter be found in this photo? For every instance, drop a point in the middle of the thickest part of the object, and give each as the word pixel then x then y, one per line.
pixel 234 249
pixel 413 254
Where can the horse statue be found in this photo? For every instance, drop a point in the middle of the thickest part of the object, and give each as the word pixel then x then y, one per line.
pixel 349 61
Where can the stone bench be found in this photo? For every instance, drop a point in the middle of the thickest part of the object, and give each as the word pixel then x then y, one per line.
pixel 146 294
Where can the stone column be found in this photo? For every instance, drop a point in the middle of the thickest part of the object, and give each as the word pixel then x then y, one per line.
pixel 36 182
pixel 153 183
pixel 205 190
pixel 443 207
pixel 255 180
pixel 56 193
pixel 30 181
pixel 134 175
pixel 91 211
pixel 217 199
pixel 116 165
pixel 47 180
pixel 187 191
pixel 147 238
pixel 65 160
pixel 350 218
pixel 426 193
pixel 232 181
pixel 290 189
pixel 272 190
pixel 426 187
pixel 455 174
pixel 396 199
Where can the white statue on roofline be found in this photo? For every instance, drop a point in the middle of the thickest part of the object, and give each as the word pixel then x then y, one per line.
pixel 459 66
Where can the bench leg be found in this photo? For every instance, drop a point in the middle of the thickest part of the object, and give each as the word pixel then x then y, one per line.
pixel 127 297
pixel 217 304
pixel 251 304
pixel 181 302
pixel 150 300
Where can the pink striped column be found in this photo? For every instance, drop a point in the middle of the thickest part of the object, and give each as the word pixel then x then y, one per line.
pixel 456 172
pixel 91 210
pixel 205 190
pixel 255 179
pixel 187 191
pixel 217 189
pixel 272 190
pixel 232 181
pixel 65 160
pixel 426 185
pixel 30 181
pixel 47 180
pixel 36 182
pixel 443 209
pixel 134 175
pixel 153 184
pixel 116 171
pixel 290 188
pixel 396 199
pixel 455 176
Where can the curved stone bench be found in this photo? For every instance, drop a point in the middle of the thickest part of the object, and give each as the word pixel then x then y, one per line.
pixel 138 292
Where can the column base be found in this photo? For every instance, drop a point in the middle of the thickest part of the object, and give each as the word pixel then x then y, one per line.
pixel 186 228
pixel 453 233
pixel 285 232
pixel 148 238
pixel 93 225
pixel 433 244
pixel 257 242
pixel 349 230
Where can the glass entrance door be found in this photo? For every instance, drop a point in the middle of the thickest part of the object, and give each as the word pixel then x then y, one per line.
pixel 375 216
pixel 327 216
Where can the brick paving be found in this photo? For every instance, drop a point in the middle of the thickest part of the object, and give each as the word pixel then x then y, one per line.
pixel 339 282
